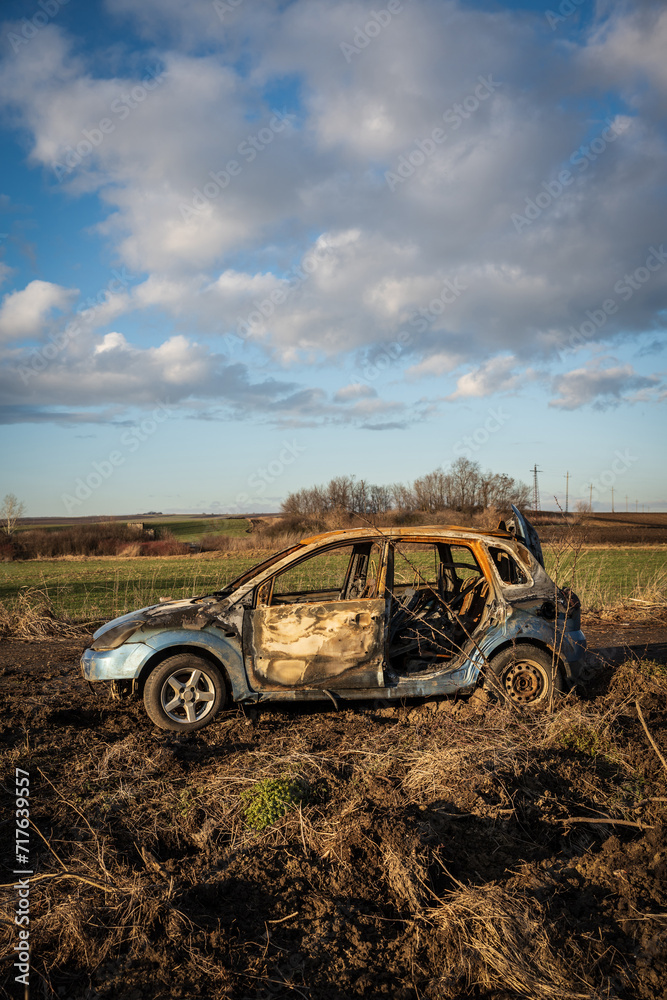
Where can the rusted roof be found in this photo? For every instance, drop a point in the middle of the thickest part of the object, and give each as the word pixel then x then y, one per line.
pixel 414 531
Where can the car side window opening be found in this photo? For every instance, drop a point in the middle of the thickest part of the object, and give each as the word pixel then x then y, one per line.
pixel 508 569
pixel 438 596
pixel 347 572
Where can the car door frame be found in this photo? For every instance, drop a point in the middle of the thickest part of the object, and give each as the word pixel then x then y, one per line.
pixel 275 670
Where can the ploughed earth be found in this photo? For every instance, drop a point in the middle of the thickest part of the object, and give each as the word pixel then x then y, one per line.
pixel 443 849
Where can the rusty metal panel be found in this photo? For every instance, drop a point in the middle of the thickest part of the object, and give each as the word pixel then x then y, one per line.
pixel 317 645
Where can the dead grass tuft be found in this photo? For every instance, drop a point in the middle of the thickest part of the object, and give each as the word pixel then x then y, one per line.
pixel 498 940
pixel 32 616
pixel 405 875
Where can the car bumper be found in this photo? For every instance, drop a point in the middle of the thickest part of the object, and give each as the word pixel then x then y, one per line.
pixel 123 663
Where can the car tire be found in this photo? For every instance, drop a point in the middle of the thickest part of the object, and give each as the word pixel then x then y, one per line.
pixel 524 676
pixel 184 693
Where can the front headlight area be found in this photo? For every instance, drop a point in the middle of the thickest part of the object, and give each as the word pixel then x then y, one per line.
pixel 115 637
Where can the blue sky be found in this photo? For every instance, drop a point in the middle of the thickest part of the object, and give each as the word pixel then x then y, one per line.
pixel 245 247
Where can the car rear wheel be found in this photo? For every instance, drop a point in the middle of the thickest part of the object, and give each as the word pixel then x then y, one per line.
pixel 524 676
pixel 184 693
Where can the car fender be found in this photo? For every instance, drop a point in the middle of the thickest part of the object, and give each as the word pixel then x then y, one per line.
pixel 225 650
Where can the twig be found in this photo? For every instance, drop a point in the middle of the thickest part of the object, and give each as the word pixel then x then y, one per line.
pixel 39 834
pixel 650 738
pixel 283 919
pixel 615 822
pixel 62 875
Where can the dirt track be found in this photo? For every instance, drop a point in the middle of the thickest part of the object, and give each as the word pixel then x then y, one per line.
pixel 444 848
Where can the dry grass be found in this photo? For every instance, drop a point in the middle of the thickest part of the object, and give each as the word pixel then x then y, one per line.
pixel 500 940
pixel 32 616
pixel 144 831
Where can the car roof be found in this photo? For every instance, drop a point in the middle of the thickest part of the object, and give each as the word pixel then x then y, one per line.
pixel 416 532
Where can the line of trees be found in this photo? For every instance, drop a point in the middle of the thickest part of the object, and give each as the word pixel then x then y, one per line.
pixel 463 487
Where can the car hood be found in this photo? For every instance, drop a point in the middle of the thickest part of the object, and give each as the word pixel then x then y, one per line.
pixel 192 613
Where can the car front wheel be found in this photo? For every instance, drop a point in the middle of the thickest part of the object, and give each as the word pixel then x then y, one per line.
pixel 524 676
pixel 184 693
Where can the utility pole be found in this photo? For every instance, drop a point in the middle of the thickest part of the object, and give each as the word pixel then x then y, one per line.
pixel 590 497
pixel 636 507
pixel 536 489
pixel 626 503
pixel 612 499
pixel 567 492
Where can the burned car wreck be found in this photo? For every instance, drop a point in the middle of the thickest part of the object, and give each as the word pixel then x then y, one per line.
pixel 385 613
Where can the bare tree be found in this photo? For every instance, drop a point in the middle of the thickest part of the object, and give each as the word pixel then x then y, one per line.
pixel 464 487
pixel 11 510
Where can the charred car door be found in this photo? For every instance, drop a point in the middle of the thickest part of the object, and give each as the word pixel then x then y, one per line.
pixel 320 622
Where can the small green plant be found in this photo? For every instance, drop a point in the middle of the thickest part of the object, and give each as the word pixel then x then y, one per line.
pixel 653 670
pixel 585 740
pixel 270 799
pixel 186 801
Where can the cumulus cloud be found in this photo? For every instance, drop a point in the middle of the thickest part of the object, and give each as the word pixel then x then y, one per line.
pixel 496 375
pixel 602 387
pixel 24 313
pixel 407 166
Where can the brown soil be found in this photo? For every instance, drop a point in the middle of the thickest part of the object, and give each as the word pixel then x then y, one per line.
pixel 603 528
pixel 446 850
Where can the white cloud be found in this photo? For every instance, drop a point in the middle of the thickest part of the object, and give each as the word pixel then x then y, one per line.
pixel 214 257
pixel 438 363
pixel 354 391
pixel 495 376
pixel 602 387
pixel 24 313
pixel 629 48
pixel 112 342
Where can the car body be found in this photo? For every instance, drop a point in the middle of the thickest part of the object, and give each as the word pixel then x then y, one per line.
pixel 380 613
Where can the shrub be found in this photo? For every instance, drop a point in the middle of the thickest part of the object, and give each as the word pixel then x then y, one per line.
pixel 270 799
pixel 87 539
pixel 585 740
pixel 165 547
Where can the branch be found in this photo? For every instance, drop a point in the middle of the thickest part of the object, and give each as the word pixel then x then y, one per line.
pixel 651 740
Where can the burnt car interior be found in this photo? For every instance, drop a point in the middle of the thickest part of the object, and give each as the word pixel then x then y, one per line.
pixel 438 596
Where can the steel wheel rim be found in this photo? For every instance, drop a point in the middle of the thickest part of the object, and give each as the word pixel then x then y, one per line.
pixel 187 695
pixel 525 682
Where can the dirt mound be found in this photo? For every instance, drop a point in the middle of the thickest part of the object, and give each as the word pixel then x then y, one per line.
pixel 442 850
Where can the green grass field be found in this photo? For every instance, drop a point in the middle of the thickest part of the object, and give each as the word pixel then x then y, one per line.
pixel 90 589
pixel 185 530
pixel 104 588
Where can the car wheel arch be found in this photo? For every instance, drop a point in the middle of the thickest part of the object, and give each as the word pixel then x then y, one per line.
pixel 161 655
pixel 562 665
